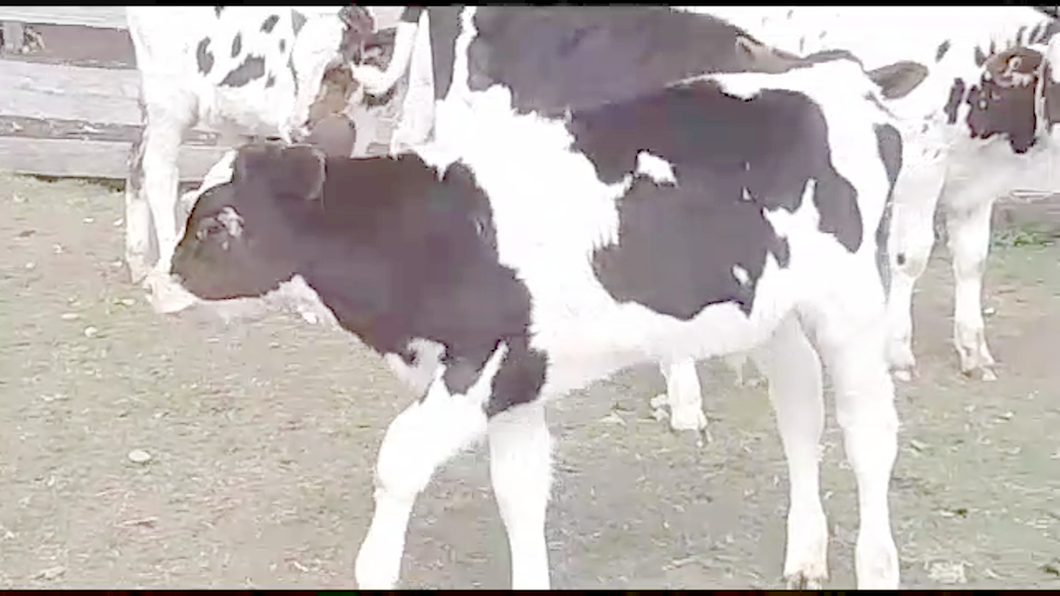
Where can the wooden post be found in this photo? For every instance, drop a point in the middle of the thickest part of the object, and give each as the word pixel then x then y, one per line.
pixel 13 36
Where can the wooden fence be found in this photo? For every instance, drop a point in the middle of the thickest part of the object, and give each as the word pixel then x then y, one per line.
pixel 69 108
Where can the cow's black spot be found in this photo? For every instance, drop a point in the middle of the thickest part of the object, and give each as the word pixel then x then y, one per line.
pixel 217 10
pixel 297 21
pixel 706 240
pixel 889 145
pixel 900 259
pixel 237 44
pixel 203 56
pixel 294 73
pixel 582 56
pixel 252 67
pixel 940 52
pixel 268 24
pixel 954 101
pixel 270 81
pixel 283 46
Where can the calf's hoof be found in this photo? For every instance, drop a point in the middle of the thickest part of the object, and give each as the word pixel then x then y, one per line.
pixel 166 296
pixel 681 418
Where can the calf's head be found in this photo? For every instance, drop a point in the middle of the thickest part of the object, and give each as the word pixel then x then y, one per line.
pixel 1004 100
pixel 323 52
pixel 240 239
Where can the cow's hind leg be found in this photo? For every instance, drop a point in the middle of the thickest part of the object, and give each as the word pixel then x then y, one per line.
pixel 968 228
pixel 682 395
pixel 910 240
pixel 422 438
pixel 137 216
pixel 793 369
pixel 521 471
pixel 850 331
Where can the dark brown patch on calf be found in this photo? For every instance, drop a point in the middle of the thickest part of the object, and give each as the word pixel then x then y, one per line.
pixel 297 21
pixel 268 24
pixel 942 49
pixel 1003 102
pixel 252 67
pixel 203 56
pixel 237 44
pixel 954 102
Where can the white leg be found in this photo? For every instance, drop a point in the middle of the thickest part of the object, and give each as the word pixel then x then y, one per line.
pixel 521 470
pixel 793 369
pixel 851 337
pixel 910 240
pixel 683 395
pixel 161 147
pixel 968 228
pixel 137 217
pixel 422 438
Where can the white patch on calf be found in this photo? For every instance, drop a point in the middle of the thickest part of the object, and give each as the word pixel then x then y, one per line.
pixel 428 357
pixel 293 296
pixel 232 222
pixel 740 274
pixel 656 168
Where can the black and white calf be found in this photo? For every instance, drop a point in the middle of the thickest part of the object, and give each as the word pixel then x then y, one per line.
pixel 242 71
pixel 978 127
pixel 529 251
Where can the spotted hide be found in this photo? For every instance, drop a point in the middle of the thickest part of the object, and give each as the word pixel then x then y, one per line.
pixel 542 249
pixel 241 71
pixel 978 127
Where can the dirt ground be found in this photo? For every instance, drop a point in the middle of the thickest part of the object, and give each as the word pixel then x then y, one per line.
pixel 262 436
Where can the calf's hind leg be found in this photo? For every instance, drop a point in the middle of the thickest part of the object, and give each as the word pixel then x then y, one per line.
pixel 850 331
pixel 793 369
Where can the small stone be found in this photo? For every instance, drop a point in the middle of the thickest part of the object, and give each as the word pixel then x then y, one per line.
pixel 91 331
pixel 89 219
pixel 50 573
pixel 139 456
pixel 127 301
pixel 945 572
pixel 989 311
pixel 613 418
pixel 70 316
pixel 17 199
pixel 31 265
pixel 58 248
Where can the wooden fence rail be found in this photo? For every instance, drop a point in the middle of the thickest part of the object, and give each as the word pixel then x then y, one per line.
pixel 70 109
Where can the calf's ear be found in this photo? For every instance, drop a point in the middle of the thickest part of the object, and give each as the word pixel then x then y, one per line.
pixel 296 171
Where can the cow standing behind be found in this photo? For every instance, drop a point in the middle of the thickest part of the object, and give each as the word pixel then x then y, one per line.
pixel 977 128
pixel 516 257
pixel 243 71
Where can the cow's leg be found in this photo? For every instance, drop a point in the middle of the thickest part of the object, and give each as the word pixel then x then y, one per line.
pixel 521 470
pixel 166 125
pixel 793 370
pixel 422 437
pixel 968 229
pixel 911 237
pixel 851 338
pixel 137 215
pixel 682 395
